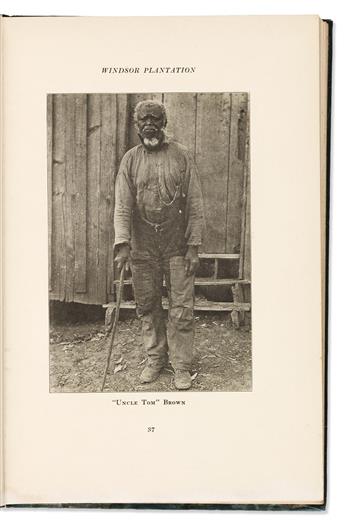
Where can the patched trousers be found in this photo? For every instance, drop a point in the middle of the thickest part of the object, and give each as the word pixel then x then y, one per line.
pixel 157 255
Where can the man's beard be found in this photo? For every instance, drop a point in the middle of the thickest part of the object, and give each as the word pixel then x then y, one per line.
pixel 151 143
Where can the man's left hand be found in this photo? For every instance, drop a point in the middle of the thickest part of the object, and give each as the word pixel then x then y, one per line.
pixel 191 260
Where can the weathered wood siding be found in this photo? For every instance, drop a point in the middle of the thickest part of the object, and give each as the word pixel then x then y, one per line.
pixel 87 136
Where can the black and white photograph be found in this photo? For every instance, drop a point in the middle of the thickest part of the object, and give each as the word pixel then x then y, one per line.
pixel 149 242
pixel 167 213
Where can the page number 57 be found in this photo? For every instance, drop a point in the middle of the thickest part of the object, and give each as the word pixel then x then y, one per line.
pixel 151 429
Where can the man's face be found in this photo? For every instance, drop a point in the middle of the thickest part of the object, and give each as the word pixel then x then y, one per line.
pixel 150 121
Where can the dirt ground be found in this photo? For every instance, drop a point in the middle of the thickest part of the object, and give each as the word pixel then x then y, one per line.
pixel 78 352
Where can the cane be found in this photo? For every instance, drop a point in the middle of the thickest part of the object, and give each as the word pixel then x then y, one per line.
pixel 115 323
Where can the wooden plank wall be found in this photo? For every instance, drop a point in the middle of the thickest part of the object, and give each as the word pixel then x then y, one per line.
pixel 87 136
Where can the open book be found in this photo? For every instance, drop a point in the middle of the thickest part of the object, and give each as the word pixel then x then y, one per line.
pixel 164 261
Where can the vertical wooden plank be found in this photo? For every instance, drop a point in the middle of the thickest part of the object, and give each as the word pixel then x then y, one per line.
pixel 181 113
pixel 122 130
pixel 122 127
pixel 80 179
pixel 70 192
pixel 134 99
pixel 236 172
pixel 247 236
pixel 106 149
pixel 247 254
pixel 245 258
pixel 243 224
pixel 59 262
pixel 108 157
pixel 93 193
pixel 49 181
pixel 242 126
pixel 216 268
pixel 212 156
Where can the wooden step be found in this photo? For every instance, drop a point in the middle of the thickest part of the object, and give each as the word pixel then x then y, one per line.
pixel 205 282
pixel 227 256
pixel 200 305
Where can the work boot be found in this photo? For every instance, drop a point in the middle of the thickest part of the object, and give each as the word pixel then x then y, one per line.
pixel 183 379
pixel 150 372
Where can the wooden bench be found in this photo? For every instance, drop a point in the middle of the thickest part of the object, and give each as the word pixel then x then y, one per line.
pixel 237 307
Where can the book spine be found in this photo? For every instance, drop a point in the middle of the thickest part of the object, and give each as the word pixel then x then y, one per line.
pixel 2 456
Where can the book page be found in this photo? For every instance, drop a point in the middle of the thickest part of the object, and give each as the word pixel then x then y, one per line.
pixel 259 445
pixel 324 72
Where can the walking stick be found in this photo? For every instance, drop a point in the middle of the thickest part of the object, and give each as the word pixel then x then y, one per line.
pixel 115 323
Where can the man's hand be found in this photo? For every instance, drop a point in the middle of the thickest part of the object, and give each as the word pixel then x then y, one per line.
pixel 191 260
pixel 122 257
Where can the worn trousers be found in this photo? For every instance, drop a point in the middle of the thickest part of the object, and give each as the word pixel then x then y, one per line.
pixel 156 257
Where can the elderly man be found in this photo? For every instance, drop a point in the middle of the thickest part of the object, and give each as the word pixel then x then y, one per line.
pixel 158 228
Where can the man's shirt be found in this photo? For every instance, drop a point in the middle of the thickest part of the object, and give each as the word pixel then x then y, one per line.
pixel 151 181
